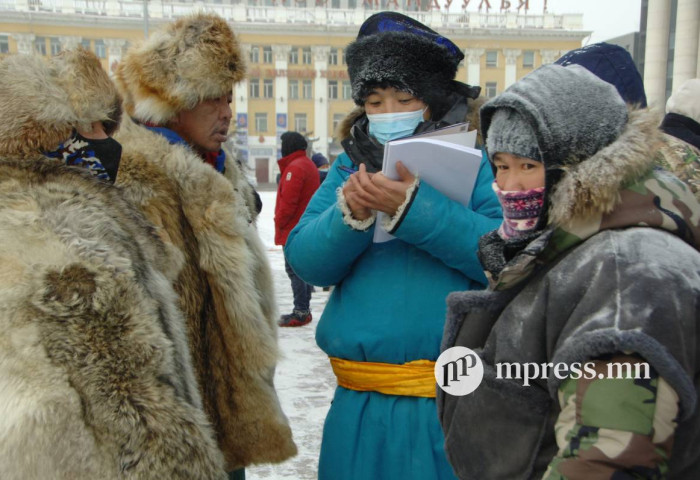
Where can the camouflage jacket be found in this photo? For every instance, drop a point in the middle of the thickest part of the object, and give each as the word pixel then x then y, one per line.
pixel 616 272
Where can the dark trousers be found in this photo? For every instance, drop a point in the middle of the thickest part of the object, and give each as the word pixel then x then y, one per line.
pixel 237 474
pixel 300 289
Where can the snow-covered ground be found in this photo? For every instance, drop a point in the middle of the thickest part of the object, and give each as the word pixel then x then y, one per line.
pixel 304 379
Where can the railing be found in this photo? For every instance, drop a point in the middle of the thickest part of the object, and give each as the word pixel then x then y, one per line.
pixel 247 11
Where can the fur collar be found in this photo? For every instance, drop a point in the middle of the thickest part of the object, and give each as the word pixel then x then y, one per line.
pixel 593 186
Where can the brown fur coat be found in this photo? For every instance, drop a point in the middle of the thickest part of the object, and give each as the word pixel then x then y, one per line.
pixel 221 274
pixel 95 374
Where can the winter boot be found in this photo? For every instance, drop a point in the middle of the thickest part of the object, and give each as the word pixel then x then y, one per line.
pixel 297 318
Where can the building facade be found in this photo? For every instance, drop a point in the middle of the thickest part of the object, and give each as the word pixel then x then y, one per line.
pixel 671 29
pixel 297 77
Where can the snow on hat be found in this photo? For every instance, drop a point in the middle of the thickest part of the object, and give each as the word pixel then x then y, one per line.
pixel 193 59
pixel 509 132
pixel 291 142
pixel 613 64
pixel 572 112
pixel 686 100
pixel 393 50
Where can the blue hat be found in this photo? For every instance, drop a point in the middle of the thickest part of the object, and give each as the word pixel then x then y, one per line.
pixel 613 64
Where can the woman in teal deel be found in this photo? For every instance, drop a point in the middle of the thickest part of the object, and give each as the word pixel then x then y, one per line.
pixel 384 320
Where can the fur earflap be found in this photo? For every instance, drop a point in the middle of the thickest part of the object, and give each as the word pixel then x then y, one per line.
pixel 192 59
pixel 42 101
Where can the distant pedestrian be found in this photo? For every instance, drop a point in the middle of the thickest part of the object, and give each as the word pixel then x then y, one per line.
pixel 682 124
pixel 299 179
pixel 322 165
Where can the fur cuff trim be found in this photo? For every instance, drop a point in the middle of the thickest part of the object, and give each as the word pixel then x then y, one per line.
pixel 391 224
pixel 348 219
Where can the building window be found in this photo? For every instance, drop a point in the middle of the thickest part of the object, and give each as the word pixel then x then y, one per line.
pixel 100 49
pixel 300 122
pixel 85 43
pixel 55 46
pixel 294 89
pixel 528 59
pixel 332 89
pixel 268 91
pixel 492 58
pixel 254 88
pixel 267 54
pixel 294 56
pixel 491 89
pixel 335 4
pixel 333 57
pixel 308 92
pixel 345 60
pixel 306 52
pixel 40 45
pixel 4 44
pixel 254 54
pixel 261 122
pixel 347 90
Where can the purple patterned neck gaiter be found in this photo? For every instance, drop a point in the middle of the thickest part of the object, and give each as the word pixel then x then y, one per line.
pixel 521 210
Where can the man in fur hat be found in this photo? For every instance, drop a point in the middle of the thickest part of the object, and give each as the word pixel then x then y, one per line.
pixel 96 380
pixel 177 88
pixel 383 322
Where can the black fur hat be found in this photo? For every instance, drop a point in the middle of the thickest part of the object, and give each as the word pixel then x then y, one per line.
pixel 393 50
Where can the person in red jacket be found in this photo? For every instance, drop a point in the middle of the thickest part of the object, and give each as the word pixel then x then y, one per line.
pixel 299 180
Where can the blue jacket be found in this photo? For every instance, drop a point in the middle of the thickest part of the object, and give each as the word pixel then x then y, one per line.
pixel 388 306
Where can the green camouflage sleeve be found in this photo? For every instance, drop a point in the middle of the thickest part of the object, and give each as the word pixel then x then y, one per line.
pixel 619 420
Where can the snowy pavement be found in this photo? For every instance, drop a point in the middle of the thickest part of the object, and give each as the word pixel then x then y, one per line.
pixel 304 379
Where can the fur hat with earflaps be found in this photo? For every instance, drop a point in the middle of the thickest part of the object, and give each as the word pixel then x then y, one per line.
pixel 42 101
pixel 393 50
pixel 190 60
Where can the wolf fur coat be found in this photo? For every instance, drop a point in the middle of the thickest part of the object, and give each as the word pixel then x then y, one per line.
pixel 96 379
pixel 223 280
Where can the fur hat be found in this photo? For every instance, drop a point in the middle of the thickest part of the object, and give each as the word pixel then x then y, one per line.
pixel 393 50
pixel 192 59
pixel 42 101
pixel 613 64
pixel 292 142
pixel 511 133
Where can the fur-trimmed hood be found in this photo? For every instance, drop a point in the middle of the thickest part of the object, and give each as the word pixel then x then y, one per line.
pixel 42 101
pixel 96 379
pixel 620 186
pixel 195 58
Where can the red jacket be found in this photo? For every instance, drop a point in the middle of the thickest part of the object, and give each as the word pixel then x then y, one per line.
pixel 298 182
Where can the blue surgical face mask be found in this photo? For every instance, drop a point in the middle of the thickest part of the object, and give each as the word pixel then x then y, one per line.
pixel 390 126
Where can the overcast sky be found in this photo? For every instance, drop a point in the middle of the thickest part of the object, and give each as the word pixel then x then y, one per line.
pixel 606 18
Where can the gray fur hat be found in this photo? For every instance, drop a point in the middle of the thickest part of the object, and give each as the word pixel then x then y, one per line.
pixel 393 50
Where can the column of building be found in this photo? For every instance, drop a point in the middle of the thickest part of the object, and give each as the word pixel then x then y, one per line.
pixel 549 56
pixel 240 95
pixel 282 120
pixel 685 57
pixel 473 57
pixel 511 55
pixel 115 48
pixel 656 52
pixel 321 97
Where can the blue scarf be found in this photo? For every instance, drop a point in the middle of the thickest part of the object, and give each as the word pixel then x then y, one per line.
pixel 218 159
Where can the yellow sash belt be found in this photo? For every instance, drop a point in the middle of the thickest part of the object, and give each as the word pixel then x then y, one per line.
pixel 412 379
